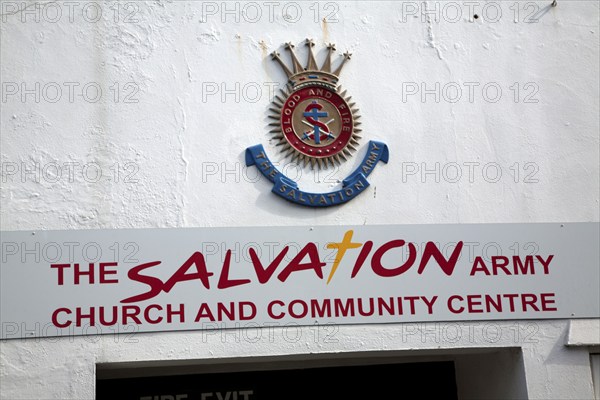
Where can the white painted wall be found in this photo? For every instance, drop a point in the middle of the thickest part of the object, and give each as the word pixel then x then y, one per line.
pixel 182 149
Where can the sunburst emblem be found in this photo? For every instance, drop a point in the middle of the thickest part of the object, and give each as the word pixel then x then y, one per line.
pixel 315 121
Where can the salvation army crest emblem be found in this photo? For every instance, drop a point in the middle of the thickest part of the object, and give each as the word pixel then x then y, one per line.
pixel 316 123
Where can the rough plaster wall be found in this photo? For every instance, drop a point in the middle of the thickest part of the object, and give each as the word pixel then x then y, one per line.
pixel 176 136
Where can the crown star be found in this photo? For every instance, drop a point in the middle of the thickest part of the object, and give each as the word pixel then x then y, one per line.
pixel 327 64
pixel 312 63
pixel 297 66
pixel 347 56
pixel 312 74
pixel 276 56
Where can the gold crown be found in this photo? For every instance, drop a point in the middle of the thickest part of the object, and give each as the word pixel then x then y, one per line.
pixel 300 76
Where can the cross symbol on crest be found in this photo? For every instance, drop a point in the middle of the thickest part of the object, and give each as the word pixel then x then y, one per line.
pixel 313 117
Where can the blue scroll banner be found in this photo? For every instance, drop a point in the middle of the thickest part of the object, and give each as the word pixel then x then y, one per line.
pixel 352 186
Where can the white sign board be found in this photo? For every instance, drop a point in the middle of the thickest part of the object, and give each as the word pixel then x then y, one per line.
pixel 57 283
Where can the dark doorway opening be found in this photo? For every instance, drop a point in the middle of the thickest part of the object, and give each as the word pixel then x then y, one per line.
pixel 409 380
